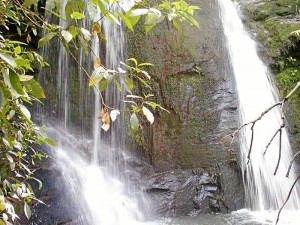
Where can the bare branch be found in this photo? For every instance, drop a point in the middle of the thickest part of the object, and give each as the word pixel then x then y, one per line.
pixel 288 197
pixel 251 143
pixel 292 92
pixel 279 156
pixel 291 163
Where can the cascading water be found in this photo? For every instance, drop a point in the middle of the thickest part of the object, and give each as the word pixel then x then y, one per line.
pixel 256 93
pixel 93 179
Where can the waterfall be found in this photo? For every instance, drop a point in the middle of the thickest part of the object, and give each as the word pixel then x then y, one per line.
pixel 256 93
pixel 93 163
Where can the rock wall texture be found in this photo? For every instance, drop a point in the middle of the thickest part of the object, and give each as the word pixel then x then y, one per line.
pixel 192 80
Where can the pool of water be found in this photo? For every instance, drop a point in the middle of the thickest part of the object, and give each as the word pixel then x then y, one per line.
pixel 240 217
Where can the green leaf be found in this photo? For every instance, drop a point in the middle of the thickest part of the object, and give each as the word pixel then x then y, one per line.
pixel 7 58
pixel 101 6
pixel 129 82
pixel 2 203
pixel 34 88
pixel 45 39
pixel 145 64
pixel 67 35
pixel 133 19
pixel 27 210
pixel 148 114
pixel 25 111
pixel 77 16
pixel 118 85
pixel 192 8
pixel 28 3
pixel 74 31
pixel 125 20
pixel 50 142
pixel 15 83
pixel 17 50
pixel 112 18
pixel 134 121
pixel 19 31
pixel 193 21
pixel 133 60
pixel 74 6
pixel 149 27
pixel 103 84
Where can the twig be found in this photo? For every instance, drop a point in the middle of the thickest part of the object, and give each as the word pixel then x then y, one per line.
pixel 288 197
pixel 251 143
pixel 291 163
pixel 279 156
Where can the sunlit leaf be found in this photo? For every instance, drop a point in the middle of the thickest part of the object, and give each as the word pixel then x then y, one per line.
pixel 77 15
pixel 145 64
pixel 2 203
pixel 17 50
pixel 25 77
pixel 114 114
pixel 9 59
pixel 148 114
pixel 25 111
pixel 67 35
pixel 27 210
pixel 133 60
pixel 86 34
pixel 139 12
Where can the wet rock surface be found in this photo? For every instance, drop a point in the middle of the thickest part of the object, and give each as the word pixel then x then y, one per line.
pixel 192 80
pixel 185 192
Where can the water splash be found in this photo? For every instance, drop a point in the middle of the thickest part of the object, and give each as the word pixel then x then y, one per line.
pixel 256 93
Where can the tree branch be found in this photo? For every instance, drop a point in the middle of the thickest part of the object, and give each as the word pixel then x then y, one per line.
pixel 288 197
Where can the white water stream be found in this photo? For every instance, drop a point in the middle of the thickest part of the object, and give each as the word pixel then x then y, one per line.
pixel 264 191
pixel 94 168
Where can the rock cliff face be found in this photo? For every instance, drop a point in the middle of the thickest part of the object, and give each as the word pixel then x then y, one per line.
pixel 192 80
pixel 273 23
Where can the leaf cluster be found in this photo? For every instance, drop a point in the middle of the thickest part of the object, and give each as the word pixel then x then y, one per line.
pixel 18 134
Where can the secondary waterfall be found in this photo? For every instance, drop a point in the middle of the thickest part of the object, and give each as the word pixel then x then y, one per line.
pixel 92 163
pixel 256 93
